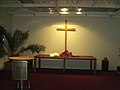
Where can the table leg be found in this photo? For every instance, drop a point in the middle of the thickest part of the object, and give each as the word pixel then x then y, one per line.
pixel 28 84
pixel 90 64
pixel 63 65
pixel 21 84
pixel 39 63
pixel 18 85
pixel 35 64
pixel 95 64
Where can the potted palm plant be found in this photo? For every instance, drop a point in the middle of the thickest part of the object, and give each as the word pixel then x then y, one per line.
pixel 14 44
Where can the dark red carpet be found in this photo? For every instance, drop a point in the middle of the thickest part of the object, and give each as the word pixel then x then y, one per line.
pixel 69 80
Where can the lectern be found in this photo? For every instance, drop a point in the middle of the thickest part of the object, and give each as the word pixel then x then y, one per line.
pixel 19 70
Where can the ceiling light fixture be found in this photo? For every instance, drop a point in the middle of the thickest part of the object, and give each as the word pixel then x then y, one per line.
pixel 64 9
pixel 79 10
pixel 64 12
pixel 51 11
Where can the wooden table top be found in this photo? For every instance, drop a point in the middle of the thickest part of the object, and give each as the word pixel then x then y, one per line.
pixel 21 57
pixel 71 57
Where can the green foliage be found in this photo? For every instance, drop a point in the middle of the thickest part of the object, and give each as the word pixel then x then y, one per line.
pixel 2 51
pixel 14 44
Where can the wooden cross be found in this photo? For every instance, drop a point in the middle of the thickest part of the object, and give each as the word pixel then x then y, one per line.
pixel 66 29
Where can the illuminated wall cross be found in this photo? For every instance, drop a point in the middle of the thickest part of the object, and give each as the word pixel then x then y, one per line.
pixel 66 29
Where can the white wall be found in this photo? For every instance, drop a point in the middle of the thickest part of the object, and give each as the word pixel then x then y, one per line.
pixel 6 20
pixel 96 36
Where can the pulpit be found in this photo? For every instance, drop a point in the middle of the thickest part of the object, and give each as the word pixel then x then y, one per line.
pixel 19 70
